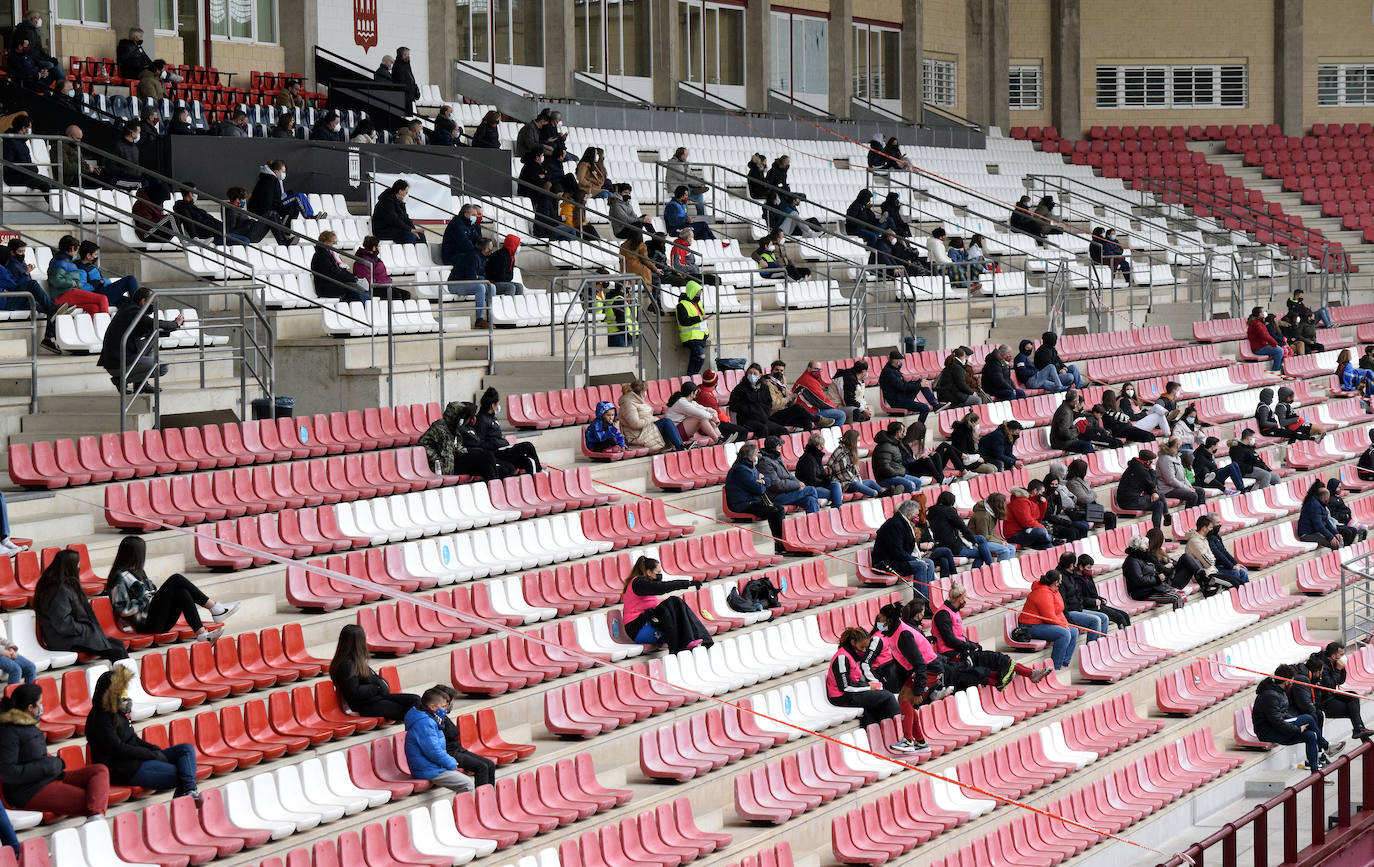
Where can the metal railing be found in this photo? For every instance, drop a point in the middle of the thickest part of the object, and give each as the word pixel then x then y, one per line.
pixel 1357 600
pixel 31 362
pixel 1326 834
pixel 625 315
pixel 250 347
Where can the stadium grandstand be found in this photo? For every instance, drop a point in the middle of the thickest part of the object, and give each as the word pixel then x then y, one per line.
pixel 634 432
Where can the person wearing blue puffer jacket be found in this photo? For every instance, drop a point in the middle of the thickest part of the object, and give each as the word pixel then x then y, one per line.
pixel 1355 379
pixel 426 751
pixel 117 291
pixel 602 435
pixel 42 302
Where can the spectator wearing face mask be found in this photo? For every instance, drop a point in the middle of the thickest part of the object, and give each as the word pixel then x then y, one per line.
pixel 624 216
pixel 131 760
pixel 391 221
pixel 812 389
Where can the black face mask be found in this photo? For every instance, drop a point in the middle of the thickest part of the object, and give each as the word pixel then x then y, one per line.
pixel 126 706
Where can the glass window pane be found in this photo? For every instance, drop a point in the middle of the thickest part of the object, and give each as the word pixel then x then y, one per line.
pixel 780 34
pixel 481 34
pixel 730 45
pixel 891 56
pixel 596 37
pixel 166 15
pixel 69 10
pixel 636 42
pixel 689 23
pixel 861 90
pixel 615 37
pixel 267 20
pixel 219 18
pixel 240 19
pixel 464 29
pixel 814 59
pixel 580 34
pixel 97 12
pixel 501 36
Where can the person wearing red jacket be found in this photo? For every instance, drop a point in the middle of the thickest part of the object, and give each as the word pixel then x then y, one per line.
pixel 1261 341
pixel 1043 616
pixel 1025 510
pixel 810 389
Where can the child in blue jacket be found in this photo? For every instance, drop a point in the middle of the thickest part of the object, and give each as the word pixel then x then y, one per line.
pixel 426 752
pixel 602 435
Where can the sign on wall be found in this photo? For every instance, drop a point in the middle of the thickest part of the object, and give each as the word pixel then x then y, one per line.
pixel 365 24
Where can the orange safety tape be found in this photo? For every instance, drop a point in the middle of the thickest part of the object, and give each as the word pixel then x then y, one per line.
pixel 501 627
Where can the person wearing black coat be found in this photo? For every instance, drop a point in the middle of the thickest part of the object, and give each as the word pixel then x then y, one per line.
pixel 1326 668
pixel 902 393
pixel 758 187
pixel 1141 575
pixel 145 330
pixel 751 405
pixel 1274 721
pixel 952 386
pixel 493 439
pixel 895 551
pixel 36 781
pixel 1341 514
pixel 63 613
pixel 997 375
pixel 329 128
pixel 950 531
pixel 811 470
pixel 390 221
pixel 1046 355
pixel 1092 599
pixel 859 219
pixel 892 215
pixel 1301 697
pixel 194 221
pixel 1138 489
pixel 776 179
pixel 331 278
pixel 402 74
pixel 133 761
pixel 17 154
pixel 487 134
pixel 362 690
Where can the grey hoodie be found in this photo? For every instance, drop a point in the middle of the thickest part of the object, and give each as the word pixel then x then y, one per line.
pixel 780 479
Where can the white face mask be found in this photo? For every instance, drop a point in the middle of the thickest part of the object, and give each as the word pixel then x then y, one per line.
pixel 38 23
pixel 282 176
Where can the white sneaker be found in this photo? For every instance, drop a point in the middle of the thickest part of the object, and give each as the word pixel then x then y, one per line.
pixel 7 546
pixel 221 613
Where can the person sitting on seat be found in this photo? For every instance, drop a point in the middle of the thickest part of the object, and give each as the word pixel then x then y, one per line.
pixel 131 760
pixel 239 227
pixel 752 404
pixel 331 278
pixel 1274 723
pixel 1047 355
pixel 1043 616
pixel 1243 454
pixel 1029 374
pixel 889 461
pixel 1021 219
pixel 1084 497
pixel 142 606
pixel 684 262
pixel 362 690
pixel 194 221
pixel 997 375
pixel 786 489
pixel 906 665
pixel 602 435
pixel 638 425
pixel 480 768
pixel 1198 546
pixel 1227 567
pixel 117 292
pixel 952 532
pixel 1084 606
pixel 1142 576
pixel 1281 421
pixel 786 406
pixel 850 682
pixel 20 170
pixel 1261 342
pixel 812 388
pixel 1064 432
pixel 34 780
pixel 1315 523
pixel 369 267
pixel 953 386
pixel 426 750
pixel 811 470
pixel 1326 669
pixel 966 662
pixel 897 549
pixel 11 281
pixel 901 393
pixel 64 615
pixel 675 216
pixel 1173 480
pixel 493 439
pixel 329 128
pixel 1138 489
pixel 745 492
pixel 390 221
pixel 843 467
pixel 447 448
pixel 861 221
pixel 648 619
pixel 938 256
pixel 625 218
pixel 1341 514
pixel 271 200
pixel 1025 510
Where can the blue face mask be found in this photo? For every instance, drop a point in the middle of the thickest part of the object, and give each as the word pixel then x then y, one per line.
pixel 753 378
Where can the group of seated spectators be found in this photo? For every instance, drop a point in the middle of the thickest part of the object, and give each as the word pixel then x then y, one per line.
pixel 467 440
pixel 1295 333
pixel 1293 705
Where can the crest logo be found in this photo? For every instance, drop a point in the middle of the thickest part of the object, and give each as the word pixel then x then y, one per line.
pixel 365 24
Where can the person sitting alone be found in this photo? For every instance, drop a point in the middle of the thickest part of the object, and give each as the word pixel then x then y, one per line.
pixel 361 689
pixel 648 619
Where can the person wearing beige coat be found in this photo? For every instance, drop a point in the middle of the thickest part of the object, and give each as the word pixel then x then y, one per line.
pixel 637 422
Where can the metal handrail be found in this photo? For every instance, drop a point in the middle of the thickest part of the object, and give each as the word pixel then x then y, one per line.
pixel 630 98
pixel 1291 231
pixel 791 99
pixel 32 361
pixel 1344 827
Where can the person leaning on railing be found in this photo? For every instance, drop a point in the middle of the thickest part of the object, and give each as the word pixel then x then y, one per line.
pixel 145 330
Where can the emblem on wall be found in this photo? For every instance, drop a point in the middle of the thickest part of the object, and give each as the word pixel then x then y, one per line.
pixel 365 23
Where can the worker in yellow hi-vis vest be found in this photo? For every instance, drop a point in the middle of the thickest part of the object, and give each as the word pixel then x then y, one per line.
pixel 692 330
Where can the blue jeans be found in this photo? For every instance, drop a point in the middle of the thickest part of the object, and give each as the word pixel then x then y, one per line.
pixel 698 199
pixel 1312 738
pixel 118 291
pixel 837 415
pixel 832 492
pixel 980 552
pixel 19 670
pixel 865 487
pixel 1008 394
pixel 1048 379
pixel 7 835
pixel 803 496
pixel 920 571
pixel 1322 316
pixel 482 292
pixel 179 773
pixel 1093 623
pixel 1275 356
pixel 1082 447
pixel 1001 552
pixel 1033 537
pixel 1064 641
pixel 603 194
pixel 1230 471
pixel 910 484
pixel 1239 574
pixel 4 518
pixel 670 432
pixel 868 236
pixel 1071 373
pixel 696 356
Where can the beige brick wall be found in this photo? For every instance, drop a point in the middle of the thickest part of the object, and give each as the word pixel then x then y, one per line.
pixel 1030 46
pixel 1343 32
pixel 1180 31
pixel 76 41
pixel 242 58
pixel 942 38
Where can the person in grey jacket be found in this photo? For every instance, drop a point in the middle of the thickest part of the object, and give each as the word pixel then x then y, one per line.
pixel 784 487
pixel 1064 432
pixel 625 217
pixel 1076 483
pixel 1173 482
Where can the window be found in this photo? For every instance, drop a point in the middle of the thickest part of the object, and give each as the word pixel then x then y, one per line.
pixel 801 67
pixel 712 37
pixel 612 37
pixel 244 20
pixel 166 16
pixel 877 62
pixel 93 12
pixel 940 82
pixel 509 32
pixel 1025 88
pixel 1184 86
pixel 1345 84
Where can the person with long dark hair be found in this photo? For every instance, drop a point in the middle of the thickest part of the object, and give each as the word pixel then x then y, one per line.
pixel 64 616
pixel 491 438
pixel 648 619
pixel 363 690
pixel 906 664
pixel 145 607
pixel 34 780
pixel 850 682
